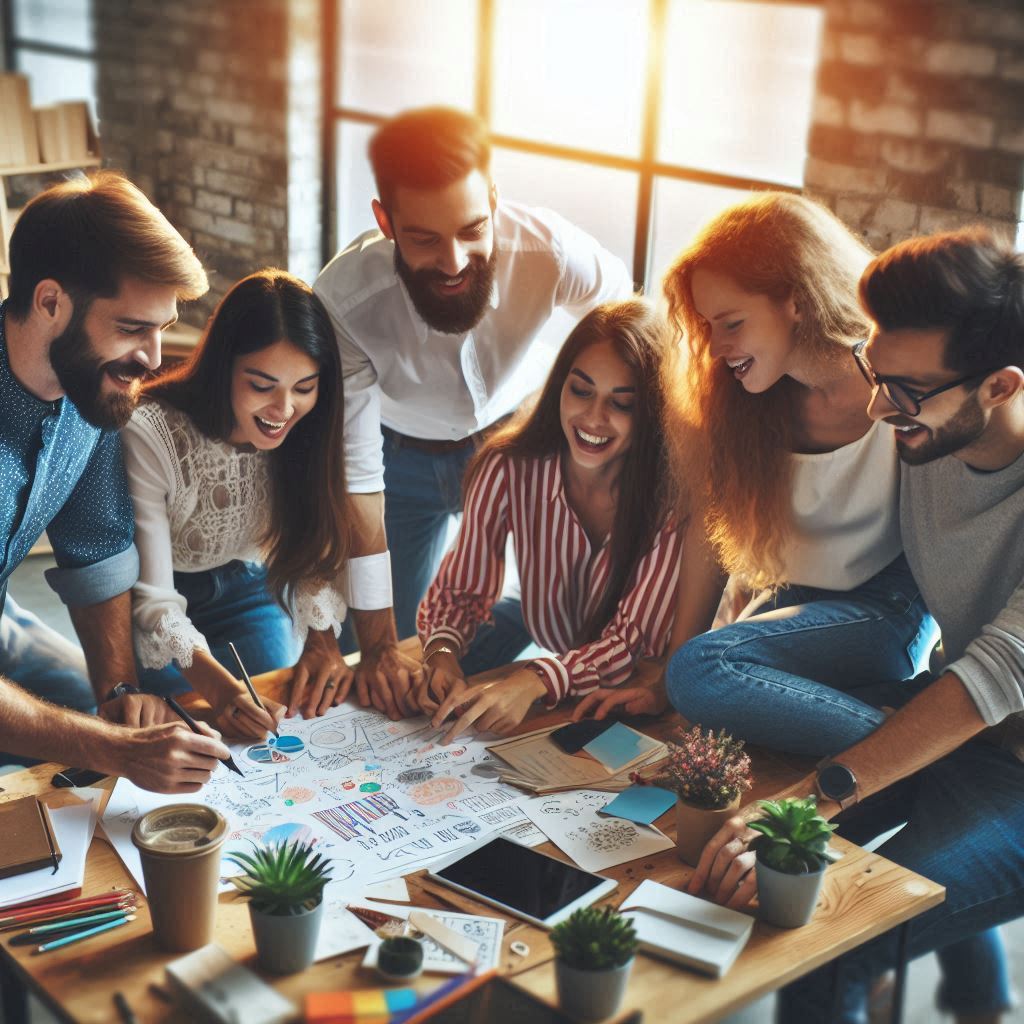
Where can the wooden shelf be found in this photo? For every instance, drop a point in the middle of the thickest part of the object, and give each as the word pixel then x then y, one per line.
pixel 66 165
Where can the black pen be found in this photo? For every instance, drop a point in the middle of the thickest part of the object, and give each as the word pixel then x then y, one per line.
pixel 248 684
pixel 229 761
pixel 124 1009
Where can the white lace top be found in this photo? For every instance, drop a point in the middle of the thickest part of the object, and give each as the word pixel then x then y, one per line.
pixel 199 504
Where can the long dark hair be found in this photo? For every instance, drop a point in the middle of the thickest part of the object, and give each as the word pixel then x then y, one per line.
pixel 640 339
pixel 309 535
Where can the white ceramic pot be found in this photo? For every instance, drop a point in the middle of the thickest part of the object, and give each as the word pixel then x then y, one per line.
pixel 286 944
pixel 591 995
pixel 787 901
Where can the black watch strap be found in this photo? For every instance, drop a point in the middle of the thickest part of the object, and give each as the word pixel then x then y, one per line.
pixel 121 690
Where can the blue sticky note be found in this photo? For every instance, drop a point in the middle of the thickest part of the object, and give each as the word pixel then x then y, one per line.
pixel 618 745
pixel 642 804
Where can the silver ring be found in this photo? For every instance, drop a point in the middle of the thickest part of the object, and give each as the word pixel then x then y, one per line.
pixel 329 684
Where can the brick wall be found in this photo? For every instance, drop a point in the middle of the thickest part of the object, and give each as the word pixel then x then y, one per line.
pixel 918 121
pixel 212 109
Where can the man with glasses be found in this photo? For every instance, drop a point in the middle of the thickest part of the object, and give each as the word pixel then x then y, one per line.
pixel 946 366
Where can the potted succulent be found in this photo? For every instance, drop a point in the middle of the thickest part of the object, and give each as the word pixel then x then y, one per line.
pixel 594 950
pixel 709 772
pixel 284 883
pixel 792 854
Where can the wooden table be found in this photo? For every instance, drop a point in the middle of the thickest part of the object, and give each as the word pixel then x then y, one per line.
pixel 863 896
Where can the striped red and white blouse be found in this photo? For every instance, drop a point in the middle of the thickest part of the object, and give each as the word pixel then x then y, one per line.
pixel 562 579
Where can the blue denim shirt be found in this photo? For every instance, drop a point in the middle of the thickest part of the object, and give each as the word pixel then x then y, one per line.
pixel 62 475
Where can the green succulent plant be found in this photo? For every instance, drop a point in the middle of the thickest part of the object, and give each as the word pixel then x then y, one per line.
pixel 282 878
pixel 794 837
pixel 594 939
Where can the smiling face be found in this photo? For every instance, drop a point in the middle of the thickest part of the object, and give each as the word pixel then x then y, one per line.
pixel 753 333
pixel 949 422
pixel 597 407
pixel 271 390
pixel 101 358
pixel 444 249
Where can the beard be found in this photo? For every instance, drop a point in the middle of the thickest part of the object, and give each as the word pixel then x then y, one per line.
pixel 81 372
pixel 965 426
pixel 450 314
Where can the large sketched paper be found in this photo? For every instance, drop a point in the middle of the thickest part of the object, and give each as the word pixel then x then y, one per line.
pixel 378 798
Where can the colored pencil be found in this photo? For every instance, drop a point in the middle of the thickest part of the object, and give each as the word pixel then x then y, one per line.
pixel 78 936
pixel 77 924
pixel 70 912
pixel 442 997
pixel 228 761
pixel 248 683
pixel 25 908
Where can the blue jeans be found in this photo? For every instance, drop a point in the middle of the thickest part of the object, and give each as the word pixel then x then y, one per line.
pixel 501 641
pixel 965 819
pixel 39 659
pixel 422 491
pixel 230 603
pixel 803 672
pixel 809 673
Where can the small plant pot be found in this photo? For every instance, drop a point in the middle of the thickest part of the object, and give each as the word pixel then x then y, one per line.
pixel 591 995
pixel 400 958
pixel 696 825
pixel 787 901
pixel 286 943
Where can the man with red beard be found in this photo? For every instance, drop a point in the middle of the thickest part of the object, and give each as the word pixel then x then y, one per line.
pixel 96 273
pixel 437 315
pixel 946 363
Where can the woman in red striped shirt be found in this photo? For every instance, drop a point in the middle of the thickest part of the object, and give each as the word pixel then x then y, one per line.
pixel 580 484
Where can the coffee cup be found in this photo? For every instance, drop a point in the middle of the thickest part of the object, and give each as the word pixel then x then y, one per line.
pixel 180 849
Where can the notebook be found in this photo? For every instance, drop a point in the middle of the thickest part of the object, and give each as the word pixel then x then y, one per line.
pixel 27 839
pixel 687 930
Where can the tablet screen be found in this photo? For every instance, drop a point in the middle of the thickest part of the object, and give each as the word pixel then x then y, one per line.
pixel 519 877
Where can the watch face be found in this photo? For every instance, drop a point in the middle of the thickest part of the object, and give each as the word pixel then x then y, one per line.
pixel 837 782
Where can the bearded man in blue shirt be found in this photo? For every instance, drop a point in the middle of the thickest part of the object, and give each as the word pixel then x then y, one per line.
pixel 96 273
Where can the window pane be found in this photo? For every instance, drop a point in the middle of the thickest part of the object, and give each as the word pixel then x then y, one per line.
pixel 681 209
pixel 54 79
pixel 738 85
pixel 355 184
pixel 600 200
pixel 571 72
pixel 61 22
pixel 396 54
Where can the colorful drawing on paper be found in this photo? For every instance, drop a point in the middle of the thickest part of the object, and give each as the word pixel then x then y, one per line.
pixel 277 750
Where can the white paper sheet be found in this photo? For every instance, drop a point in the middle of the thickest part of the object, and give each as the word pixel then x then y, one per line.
pixel 570 820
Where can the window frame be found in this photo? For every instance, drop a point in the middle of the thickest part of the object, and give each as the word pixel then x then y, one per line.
pixel 646 166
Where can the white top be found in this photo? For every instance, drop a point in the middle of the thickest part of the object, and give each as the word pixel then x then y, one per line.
pixel 428 384
pixel 846 515
pixel 199 503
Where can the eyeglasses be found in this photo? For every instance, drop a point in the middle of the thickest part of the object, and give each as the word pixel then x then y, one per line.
pixel 905 399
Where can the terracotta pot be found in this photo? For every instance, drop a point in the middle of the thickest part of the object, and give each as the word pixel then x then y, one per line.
pixel 696 825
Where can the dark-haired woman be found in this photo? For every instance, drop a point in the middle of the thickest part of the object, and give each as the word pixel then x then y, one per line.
pixel 235 469
pixel 578 483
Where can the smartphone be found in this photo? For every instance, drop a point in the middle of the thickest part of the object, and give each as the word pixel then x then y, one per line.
pixel 573 737
pixel 74 777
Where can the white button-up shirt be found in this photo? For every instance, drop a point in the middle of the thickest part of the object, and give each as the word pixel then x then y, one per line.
pixel 428 384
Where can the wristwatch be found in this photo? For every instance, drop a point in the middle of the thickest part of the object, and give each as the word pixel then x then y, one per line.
pixel 121 690
pixel 837 783
pixel 443 649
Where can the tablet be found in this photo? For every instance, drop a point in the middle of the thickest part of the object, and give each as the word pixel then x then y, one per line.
pixel 523 882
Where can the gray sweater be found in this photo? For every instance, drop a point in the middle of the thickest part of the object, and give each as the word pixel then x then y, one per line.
pixel 963 532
